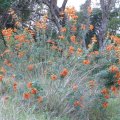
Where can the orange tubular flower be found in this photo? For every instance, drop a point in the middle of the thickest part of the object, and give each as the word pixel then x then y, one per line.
pixel 30 67
pixel 51 42
pixel 29 85
pixel 109 47
pixel 7 32
pixel 105 104
pixel 79 51
pixel 1 78
pixel 61 37
pixel 15 86
pixel 3 70
pixel 113 69
pixel 53 77
pixel 104 91
pixel 26 95
pixel 106 96
pixel 86 62
pixel 77 103
pixel 63 30
pixel 7 62
pixel 34 91
pixel 21 54
pixel 40 99
pixel 71 49
pixel 113 88
pixel 64 72
pixel 21 38
pixel 118 82
pixel 75 87
pixel 73 38
pixel 91 27
pixel 117 75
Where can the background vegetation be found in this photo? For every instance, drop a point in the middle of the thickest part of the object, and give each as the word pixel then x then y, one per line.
pixel 57 63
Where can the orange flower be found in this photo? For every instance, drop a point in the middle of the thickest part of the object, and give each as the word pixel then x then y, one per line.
pixel 40 99
pixel 71 12
pixel 7 62
pixel 21 54
pixel 71 49
pixel 26 95
pixel 41 25
pixel 109 47
pixel 1 78
pixel 118 82
pixel 30 67
pixel 7 32
pixel 86 62
pixel 64 72
pixel 79 51
pixel 74 17
pixel 17 23
pixel 15 86
pixel 104 91
pixel 10 65
pixel 115 39
pixel 29 85
pixel 61 37
pixel 21 38
pixel 63 29
pixel 53 77
pixel 91 27
pixel 51 42
pixel 77 103
pixel 113 69
pixel 73 38
pixel 34 91
pixel 107 96
pixel 3 70
pixel 75 87
pixel 105 104
pixel 113 88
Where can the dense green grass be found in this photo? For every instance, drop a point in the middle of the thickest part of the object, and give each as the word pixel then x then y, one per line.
pixel 113 110
pixel 9 110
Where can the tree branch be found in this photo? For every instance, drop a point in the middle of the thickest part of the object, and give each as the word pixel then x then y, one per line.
pixel 64 4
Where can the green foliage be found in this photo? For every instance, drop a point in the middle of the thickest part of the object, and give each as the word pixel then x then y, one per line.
pixel 5 5
pixel 68 78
